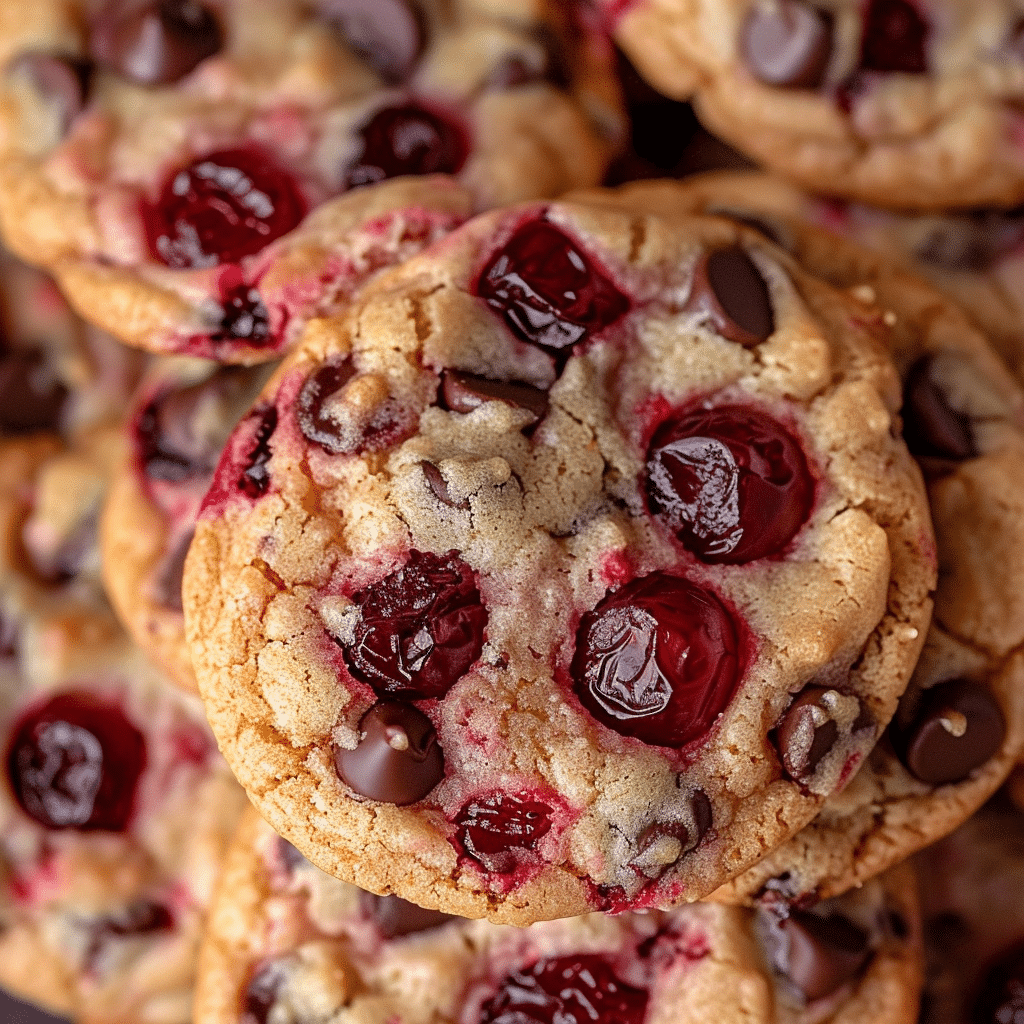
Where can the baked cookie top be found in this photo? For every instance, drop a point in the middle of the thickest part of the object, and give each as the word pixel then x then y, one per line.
pixel 115 806
pixel 287 942
pixel 176 429
pixel 203 175
pixel 960 725
pixel 571 568
pixel 896 102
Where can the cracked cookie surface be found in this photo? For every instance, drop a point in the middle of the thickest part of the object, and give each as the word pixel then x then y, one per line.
pixel 287 942
pixel 202 177
pixel 962 416
pixel 570 569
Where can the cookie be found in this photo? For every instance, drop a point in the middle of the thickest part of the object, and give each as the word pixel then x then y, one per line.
pixel 57 374
pixel 470 629
pixel 960 726
pixel 202 177
pixel 973 919
pixel 287 942
pixel 177 427
pixel 115 806
pixel 891 102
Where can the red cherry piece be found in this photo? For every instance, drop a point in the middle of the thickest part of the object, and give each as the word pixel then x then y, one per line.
pixel 254 480
pixel 75 762
pixel 731 483
pixel 421 628
pixel 894 38
pixel 407 139
pixel 659 660
pixel 578 989
pixel 493 828
pixel 220 208
pixel 549 293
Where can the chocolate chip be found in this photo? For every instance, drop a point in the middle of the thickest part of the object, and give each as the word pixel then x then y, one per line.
pixel 396 917
pixel 956 729
pixel 970 243
pixel 806 733
pixel 398 759
pixel 31 396
pixel 313 408
pixel 156 42
pixel 260 995
pixel 822 953
pixel 439 486
pixel 687 837
pixel 387 34
pixel 931 427
pixel 730 291
pixel 61 80
pixel 142 918
pixel 464 392
pixel 787 44
pixel 170 574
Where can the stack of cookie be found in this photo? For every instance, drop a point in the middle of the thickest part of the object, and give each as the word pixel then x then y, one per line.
pixel 600 593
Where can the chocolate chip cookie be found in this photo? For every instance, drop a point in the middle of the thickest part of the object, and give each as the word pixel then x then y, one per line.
pixel 960 725
pixel 202 177
pixel 571 568
pixel 116 806
pixel 892 102
pixel 287 942
pixel 177 428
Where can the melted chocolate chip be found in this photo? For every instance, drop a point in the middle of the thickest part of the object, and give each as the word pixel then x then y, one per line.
pixel 396 917
pixel 956 729
pixel 822 953
pixel 439 486
pixel 61 80
pixel 931 427
pixel 972 242
pixel 729 289
pixel 398 759
pixel 464 392
pixel 387 34
pixel 157 42
pixel 314 408
pixel 687 837
pixel 788 44
pixel 254 480
pixel 31 397
pixel 168 579
pixel 808 731
pixel 139 919
pixel 244 317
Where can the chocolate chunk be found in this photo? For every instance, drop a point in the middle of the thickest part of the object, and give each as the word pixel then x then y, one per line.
pixel 396 917
pixel 787 44
pixel 142 918
pixel 398 759
pixel 439 486
pixel 956 729
pixel 61 80
pixel 31 397
pixel 387 34
pixel 464 392
pixel 688 839
pixel 931 427
pixel 806 733
pixel 822 953
pixel 254 480
pixel 729 289
pixel 156 42
pixel 168 579
pixel 313 407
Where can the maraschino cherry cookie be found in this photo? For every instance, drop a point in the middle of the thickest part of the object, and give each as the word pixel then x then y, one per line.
pixel 974 920
pixel 901 103
pixel 960 726
pixel 177 427
pixel 287 942
pixel 178 164
pixel 531 580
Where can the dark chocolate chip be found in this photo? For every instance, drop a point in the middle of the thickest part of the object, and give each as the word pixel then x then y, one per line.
pixel 689 839
pixel 729 289
pixel 170 573
pixel 156 42
pixel 142 918
pixel 396 917
pixel 254 480
pixel 464 392
pixel 261 993
pixel 787 44
pixel 398 759
pixel 31 397
pixel 313 409
pixel 931 427
pixel 387 34
pixel 956 729
pixel 61 80
pixel 806 733
pixel 822 953
pixel 970 243
pixel 439 486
